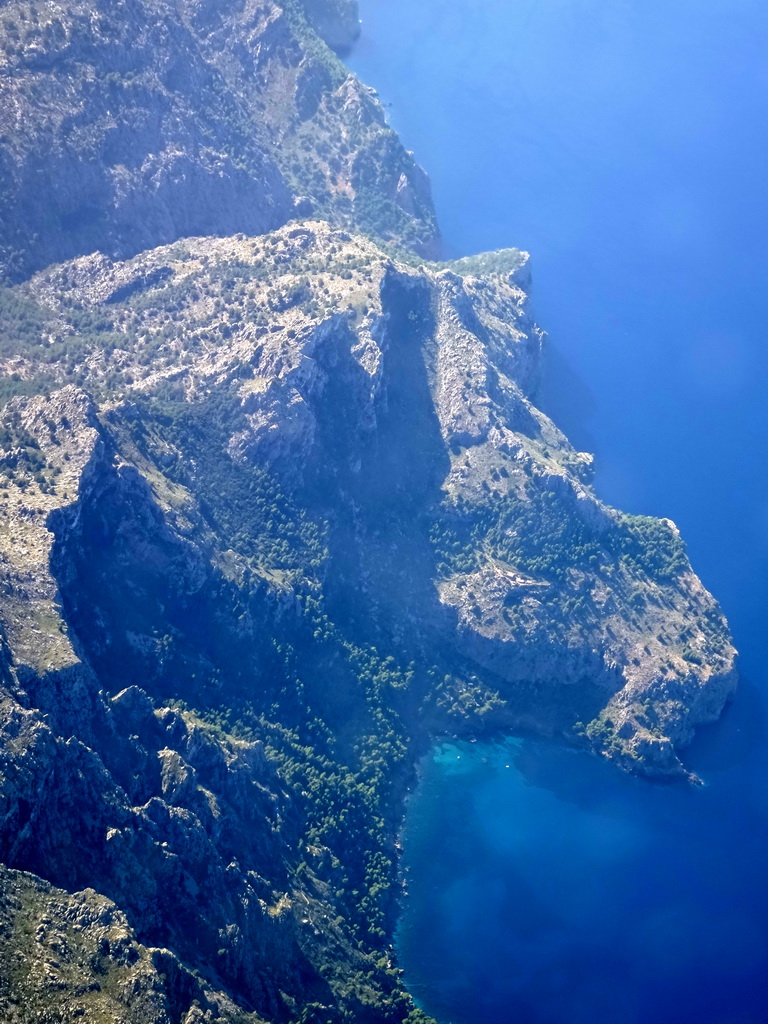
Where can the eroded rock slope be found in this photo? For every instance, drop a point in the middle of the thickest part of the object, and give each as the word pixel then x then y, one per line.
pixel 127 125
pixel 273 511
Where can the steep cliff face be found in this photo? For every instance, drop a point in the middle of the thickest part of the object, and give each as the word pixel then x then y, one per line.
pixel 337 22
pixel 277 507
pixel 377 396
pixel 126 126
pixel 281 509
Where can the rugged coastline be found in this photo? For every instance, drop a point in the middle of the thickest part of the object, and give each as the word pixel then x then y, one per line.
pixel 400 592
pixel 277 507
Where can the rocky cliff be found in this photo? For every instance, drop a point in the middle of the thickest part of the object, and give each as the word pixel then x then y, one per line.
pixel 125 126
pixel 282 509
pixel 277 508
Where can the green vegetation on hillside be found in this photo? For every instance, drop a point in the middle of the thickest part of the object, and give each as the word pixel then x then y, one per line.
pixel 543 537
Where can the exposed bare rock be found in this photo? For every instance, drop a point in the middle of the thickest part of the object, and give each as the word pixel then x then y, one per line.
pixel 334 353
pixel 75 957
pixel 299 513
pixel 143 122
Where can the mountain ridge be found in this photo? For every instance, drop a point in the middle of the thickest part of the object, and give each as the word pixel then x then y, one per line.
pixel 277 509
pixel 313 511
pixel 150 121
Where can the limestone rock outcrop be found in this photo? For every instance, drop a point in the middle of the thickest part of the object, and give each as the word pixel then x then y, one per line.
pixel 125 127
pixel 277 508
pixel 274 511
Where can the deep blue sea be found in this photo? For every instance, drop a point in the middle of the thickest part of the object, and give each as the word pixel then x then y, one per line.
pixel 624 143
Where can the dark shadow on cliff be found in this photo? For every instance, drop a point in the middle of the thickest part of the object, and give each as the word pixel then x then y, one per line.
pixel 567 398
pixel 736 739
pixel 379 484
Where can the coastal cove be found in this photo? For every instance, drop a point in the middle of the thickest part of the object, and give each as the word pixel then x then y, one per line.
pixel 622 146
pixel 285 510
pixel 545 886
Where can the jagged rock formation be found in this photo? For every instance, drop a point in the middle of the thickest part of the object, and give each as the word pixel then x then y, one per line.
pixel 126 126
pixel 277 507
pixel 74 957
pixel 274 511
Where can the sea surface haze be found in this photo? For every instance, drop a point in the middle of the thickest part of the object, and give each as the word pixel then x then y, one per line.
pixel 623 144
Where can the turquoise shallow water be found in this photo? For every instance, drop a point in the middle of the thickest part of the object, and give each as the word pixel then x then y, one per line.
pixel 624 145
